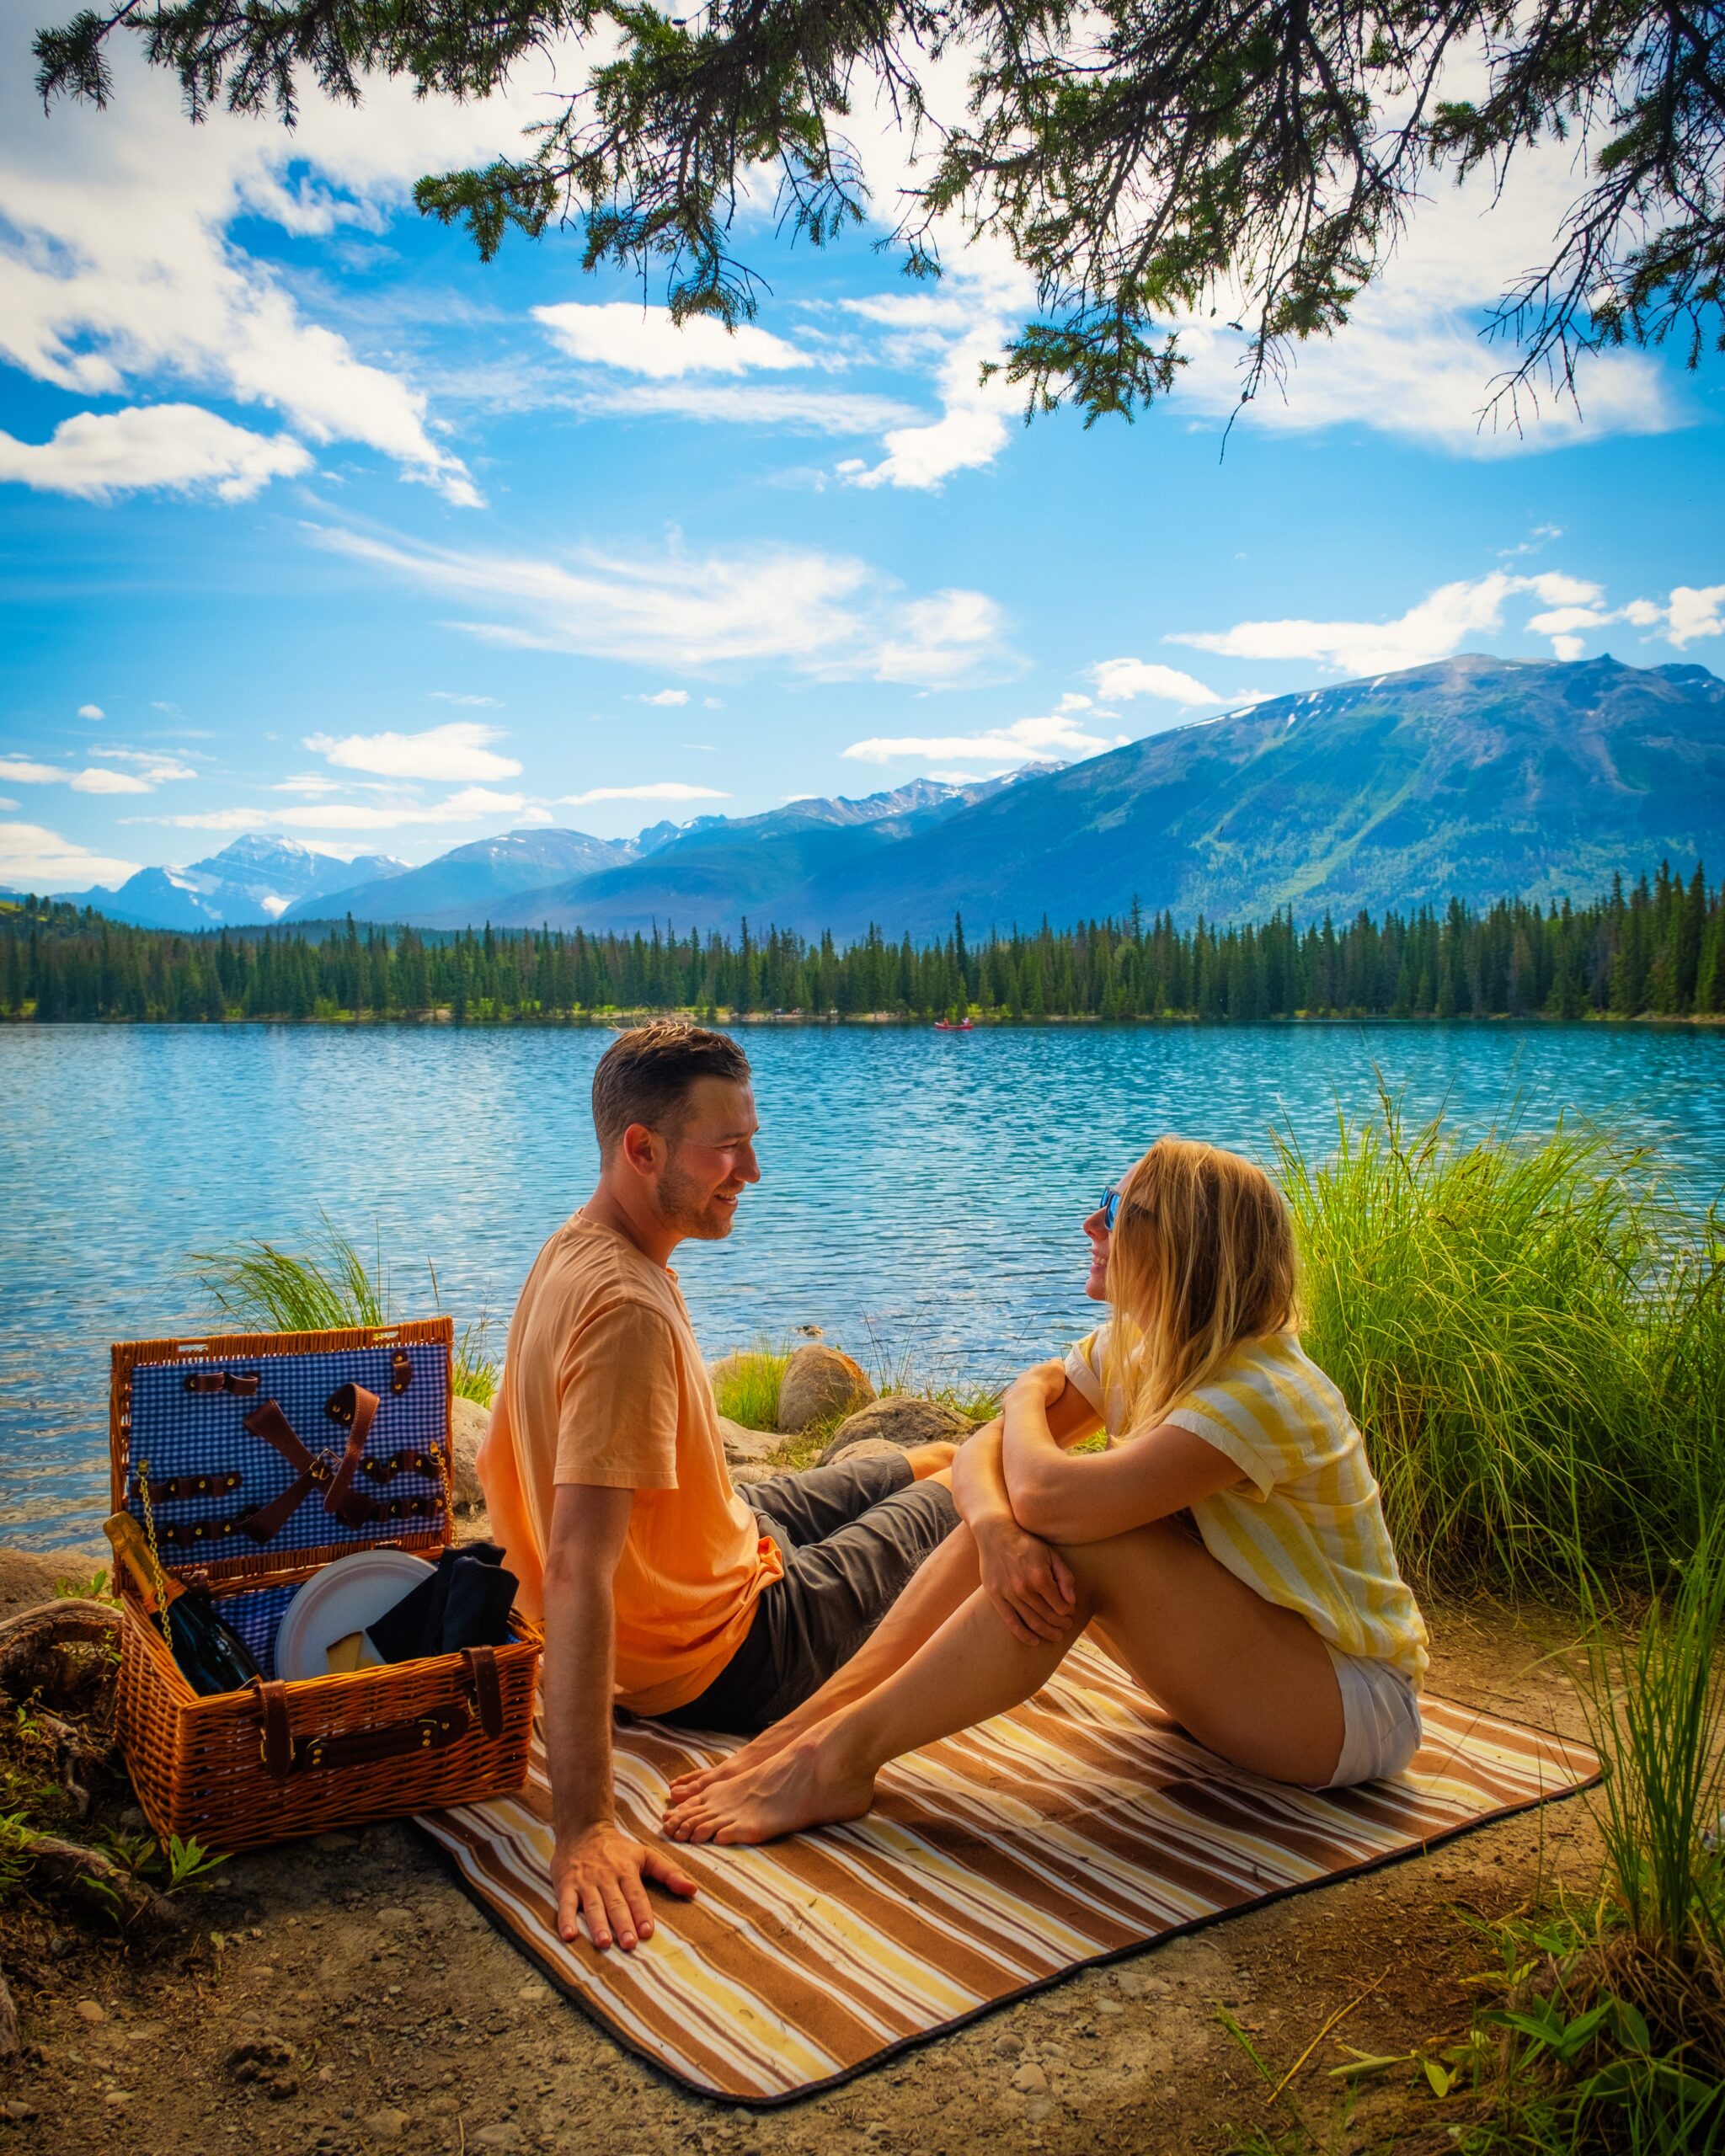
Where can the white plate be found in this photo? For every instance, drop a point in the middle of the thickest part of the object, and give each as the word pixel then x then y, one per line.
pixel 345 1597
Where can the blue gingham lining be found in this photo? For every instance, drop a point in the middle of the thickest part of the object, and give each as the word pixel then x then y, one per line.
pixel 257 1617
pixel 181 1434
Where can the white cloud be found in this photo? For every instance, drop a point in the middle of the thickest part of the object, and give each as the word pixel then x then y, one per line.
pixel 32 858
pixel 645 340
pixel 666 696
pixel 456 751
pixel 6 801
pixel 826 616
pixel 1691 613
pixel 180 447
pixel 1434 629
pixel 151 763
pixel 482 703
pixel 1685 615
pixel 119 265
pixel 1049 740
pixel 1411 362
pixel 656 790
pixel 90 711
pixel 472 804
pixel 1119 680
pixel 953 336
pixel 98 778
pixel 753 404
pixel 100 781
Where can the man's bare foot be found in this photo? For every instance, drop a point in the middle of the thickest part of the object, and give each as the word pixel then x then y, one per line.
pixel 933 1458
pixel 808 1784
pixel 767 1745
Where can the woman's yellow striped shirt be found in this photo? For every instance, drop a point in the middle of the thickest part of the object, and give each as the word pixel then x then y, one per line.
pixel 1305 1528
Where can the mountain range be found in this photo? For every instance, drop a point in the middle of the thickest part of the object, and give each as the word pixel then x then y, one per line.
pixel 255 880
pixel 1473 777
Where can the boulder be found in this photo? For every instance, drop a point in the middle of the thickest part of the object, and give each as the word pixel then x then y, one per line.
pixel 819 1381
pixel 747 1448
pixel 903 1420
pixel 468 1423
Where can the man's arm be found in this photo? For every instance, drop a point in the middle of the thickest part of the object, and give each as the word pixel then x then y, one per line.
pixel 597 1870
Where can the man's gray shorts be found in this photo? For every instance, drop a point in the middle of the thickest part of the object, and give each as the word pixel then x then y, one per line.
pixel 850 1536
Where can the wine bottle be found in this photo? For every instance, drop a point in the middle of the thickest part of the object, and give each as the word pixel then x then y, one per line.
pixel 211 1655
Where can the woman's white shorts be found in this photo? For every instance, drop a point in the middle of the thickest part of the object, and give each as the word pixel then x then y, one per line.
pixel 1380 1728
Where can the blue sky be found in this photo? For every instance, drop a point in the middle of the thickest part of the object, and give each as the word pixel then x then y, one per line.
pixel 312 523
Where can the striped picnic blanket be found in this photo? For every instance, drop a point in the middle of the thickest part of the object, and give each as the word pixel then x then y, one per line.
pixel 1076 1828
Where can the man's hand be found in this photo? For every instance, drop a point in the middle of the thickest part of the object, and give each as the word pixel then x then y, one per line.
pixel 602 1875
pixel 1029 1584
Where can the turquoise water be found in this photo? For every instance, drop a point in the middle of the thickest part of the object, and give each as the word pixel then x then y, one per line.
pixel 921 1195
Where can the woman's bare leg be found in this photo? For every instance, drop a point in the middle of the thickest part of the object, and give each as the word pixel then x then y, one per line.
pixel 944 1581
pixel 1248 1680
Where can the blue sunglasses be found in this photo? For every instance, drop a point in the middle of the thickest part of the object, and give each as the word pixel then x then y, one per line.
pixel 1110 1206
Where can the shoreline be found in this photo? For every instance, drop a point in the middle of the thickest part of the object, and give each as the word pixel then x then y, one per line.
pixel 616 1016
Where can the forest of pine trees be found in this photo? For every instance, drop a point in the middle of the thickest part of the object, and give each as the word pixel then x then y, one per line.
pixel 1656 951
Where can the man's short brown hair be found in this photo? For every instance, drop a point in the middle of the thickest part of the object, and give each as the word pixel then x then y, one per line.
pixel 645 1075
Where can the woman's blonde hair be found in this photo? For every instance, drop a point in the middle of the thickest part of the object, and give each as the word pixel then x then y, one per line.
pixel 1201 1258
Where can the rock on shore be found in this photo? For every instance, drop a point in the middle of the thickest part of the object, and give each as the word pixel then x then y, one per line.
pixel 901 1420
pixel 819 1381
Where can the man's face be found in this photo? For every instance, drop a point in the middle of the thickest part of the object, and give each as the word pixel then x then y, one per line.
pixel 711 1159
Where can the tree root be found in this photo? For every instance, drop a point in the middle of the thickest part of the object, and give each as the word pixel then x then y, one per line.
pixel 99 1883
pixel 33 1646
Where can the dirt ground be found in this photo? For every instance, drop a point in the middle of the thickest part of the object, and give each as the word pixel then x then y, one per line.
pixel 343 1996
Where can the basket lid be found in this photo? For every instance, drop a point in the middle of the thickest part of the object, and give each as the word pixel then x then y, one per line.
pixel 263 1457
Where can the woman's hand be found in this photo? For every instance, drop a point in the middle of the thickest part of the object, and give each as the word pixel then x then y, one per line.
pixel 1043 1383
pixel 1029 1584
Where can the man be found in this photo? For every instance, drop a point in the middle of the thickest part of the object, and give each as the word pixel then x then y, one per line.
pixel 660 1591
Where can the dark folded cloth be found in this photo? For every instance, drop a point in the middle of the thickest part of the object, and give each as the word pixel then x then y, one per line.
pixel 465 1604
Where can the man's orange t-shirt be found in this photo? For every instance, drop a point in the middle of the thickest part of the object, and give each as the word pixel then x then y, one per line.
pixel 603 1383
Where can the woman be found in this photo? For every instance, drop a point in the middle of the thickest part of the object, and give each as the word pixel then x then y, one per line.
pixel 1228 1548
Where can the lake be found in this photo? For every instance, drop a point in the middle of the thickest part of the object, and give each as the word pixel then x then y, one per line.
pixel 920 1198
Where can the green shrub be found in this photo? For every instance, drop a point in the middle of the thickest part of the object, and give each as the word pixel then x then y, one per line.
pixel 257 1288
pixel 1531 1336
pixel 745 1386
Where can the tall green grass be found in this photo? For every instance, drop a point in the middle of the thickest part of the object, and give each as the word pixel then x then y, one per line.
pixel 258 1287
pixel 746 1385
pixel 1655 1698
pixel 1531 1336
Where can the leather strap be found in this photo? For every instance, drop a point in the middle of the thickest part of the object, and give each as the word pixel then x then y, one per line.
pixel 221 1381
pixel 340 1500
pixel 285 1754
pixel 276 1743
pixel 488 1690
pixel 337 1500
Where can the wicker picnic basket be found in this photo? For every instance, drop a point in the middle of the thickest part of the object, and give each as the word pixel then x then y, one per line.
pixel 254 1514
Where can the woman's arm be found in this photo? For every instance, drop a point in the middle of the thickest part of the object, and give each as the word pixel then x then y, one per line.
pixel 1029 1585
pixel 979 1470
pixel 1088 1497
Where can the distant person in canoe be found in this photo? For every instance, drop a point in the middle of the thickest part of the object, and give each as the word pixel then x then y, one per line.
pixel 661 1589
pixel 1228 1548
